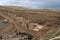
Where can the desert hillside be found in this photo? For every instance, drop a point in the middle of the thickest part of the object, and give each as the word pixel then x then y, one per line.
pixel 41 23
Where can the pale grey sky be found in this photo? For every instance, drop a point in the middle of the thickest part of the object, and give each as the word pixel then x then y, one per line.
pixel 53 4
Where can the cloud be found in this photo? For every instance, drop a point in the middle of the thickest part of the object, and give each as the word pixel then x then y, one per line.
pixel 55 4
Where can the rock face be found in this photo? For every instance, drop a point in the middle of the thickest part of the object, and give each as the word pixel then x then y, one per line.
pixel 41 24
pixel 35 26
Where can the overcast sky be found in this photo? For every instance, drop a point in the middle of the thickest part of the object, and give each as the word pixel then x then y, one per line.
pixel 53 4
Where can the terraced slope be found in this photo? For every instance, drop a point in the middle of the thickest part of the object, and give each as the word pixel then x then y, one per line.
pixel 20 19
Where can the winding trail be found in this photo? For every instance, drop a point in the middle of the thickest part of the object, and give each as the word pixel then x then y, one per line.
pixel 57 37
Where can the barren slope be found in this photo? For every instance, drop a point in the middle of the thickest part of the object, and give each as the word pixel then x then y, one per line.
pixel 48 18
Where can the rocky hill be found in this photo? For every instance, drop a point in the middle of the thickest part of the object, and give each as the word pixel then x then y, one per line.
pixel 41 23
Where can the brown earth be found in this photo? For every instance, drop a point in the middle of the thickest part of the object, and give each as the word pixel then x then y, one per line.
pixel 48 18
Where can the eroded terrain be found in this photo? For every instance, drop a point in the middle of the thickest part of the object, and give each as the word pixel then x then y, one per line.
pixel 16 23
